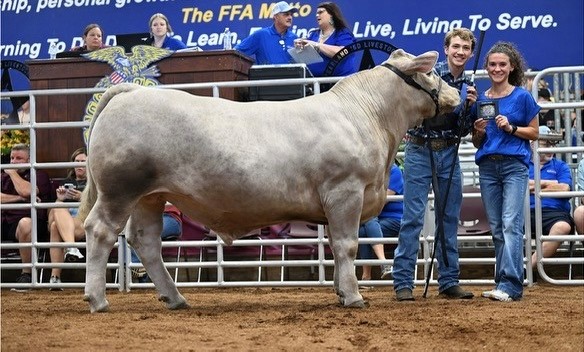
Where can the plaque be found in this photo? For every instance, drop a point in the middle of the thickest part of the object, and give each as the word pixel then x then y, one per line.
pixel 488 109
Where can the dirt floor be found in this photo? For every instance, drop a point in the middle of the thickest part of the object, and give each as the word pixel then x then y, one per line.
pixel 294 319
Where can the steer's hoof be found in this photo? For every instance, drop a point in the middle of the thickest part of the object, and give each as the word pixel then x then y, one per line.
pixel 180 303
pixel 352 301
pixel 95 307
pixel 358 304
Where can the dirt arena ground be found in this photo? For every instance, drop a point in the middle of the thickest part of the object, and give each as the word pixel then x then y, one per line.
pixel 294 319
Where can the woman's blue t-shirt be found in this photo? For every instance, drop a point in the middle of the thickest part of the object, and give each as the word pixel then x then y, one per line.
pixel 520 108
pixel 345 67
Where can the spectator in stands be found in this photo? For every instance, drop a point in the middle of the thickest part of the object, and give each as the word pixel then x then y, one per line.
pixel 386 224
pixel 270 45
pixel 503 158
pixel 17 223
pixel 579 211
pixel 577 133
pixel 161 33
pixel 333 34
pixel 64 226
pixel 92 39
pixel 436 140
pixel 556 212
pixel 546 116
pixel 171 230
pixel 541 84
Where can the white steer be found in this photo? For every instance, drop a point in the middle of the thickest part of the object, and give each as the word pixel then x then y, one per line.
pixel 236 166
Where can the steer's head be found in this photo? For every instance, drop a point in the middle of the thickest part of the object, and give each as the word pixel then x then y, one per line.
pixel 418 72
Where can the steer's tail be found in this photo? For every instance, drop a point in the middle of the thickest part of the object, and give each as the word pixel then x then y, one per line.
pixel 106 97
pixel 89 196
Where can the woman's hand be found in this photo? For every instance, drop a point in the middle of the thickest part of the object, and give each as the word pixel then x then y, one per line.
pixel 480 126
pixel 301 43
pixel 74 194
pixel 503 123
pixel 61 194
pixel 68 194
pixel 478 133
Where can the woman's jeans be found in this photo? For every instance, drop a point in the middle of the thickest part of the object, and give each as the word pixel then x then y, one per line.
pixel 503 189
pixel 417 181
pixel 376 228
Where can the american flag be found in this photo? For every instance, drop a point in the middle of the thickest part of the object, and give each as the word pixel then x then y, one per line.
pixel 117 77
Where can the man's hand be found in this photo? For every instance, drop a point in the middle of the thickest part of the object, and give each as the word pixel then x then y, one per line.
pixel 549 186
pixel 11 198
pixel 21 185
pixel 471 95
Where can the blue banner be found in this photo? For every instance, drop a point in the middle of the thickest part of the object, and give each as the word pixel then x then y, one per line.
pixel 549 33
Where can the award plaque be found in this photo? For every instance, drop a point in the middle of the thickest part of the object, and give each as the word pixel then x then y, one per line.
pixel 488 110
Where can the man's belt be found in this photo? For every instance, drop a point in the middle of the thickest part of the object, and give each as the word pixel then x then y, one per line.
pixel 436 144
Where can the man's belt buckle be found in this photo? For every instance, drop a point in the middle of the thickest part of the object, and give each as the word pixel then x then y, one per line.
pixel 437 144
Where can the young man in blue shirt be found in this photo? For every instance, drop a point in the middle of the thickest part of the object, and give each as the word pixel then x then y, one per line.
pixel 436 139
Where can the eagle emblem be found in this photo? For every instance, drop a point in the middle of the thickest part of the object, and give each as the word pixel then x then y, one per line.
pixel 133 68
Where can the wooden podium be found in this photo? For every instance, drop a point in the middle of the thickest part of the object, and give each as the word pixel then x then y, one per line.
pixel 56 145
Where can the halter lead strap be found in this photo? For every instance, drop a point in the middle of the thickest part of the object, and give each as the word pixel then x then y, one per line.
pixel 409 80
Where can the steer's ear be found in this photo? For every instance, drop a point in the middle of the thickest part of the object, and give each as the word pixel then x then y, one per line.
pixel 423 63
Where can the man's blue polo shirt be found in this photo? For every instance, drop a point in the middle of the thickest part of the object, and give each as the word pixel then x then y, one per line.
pixel 268 46
pixel 553 170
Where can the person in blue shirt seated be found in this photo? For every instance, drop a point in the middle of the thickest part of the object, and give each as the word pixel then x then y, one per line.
pixel 161 33
pixel 332 35
pixel 555 212
pixel 386 224
pixel 270 45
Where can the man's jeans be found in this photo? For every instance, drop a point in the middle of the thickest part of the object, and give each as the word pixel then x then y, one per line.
pixel 417 181
pixel 504 185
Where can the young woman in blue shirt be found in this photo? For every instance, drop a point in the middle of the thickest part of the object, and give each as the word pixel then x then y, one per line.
pixel 503 157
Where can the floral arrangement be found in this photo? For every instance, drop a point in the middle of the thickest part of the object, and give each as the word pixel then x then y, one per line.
pixel 12 137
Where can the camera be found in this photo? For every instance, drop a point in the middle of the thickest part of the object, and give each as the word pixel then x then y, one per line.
pixel 69 186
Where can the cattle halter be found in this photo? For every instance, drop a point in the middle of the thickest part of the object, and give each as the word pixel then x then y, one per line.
pixel 409 80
